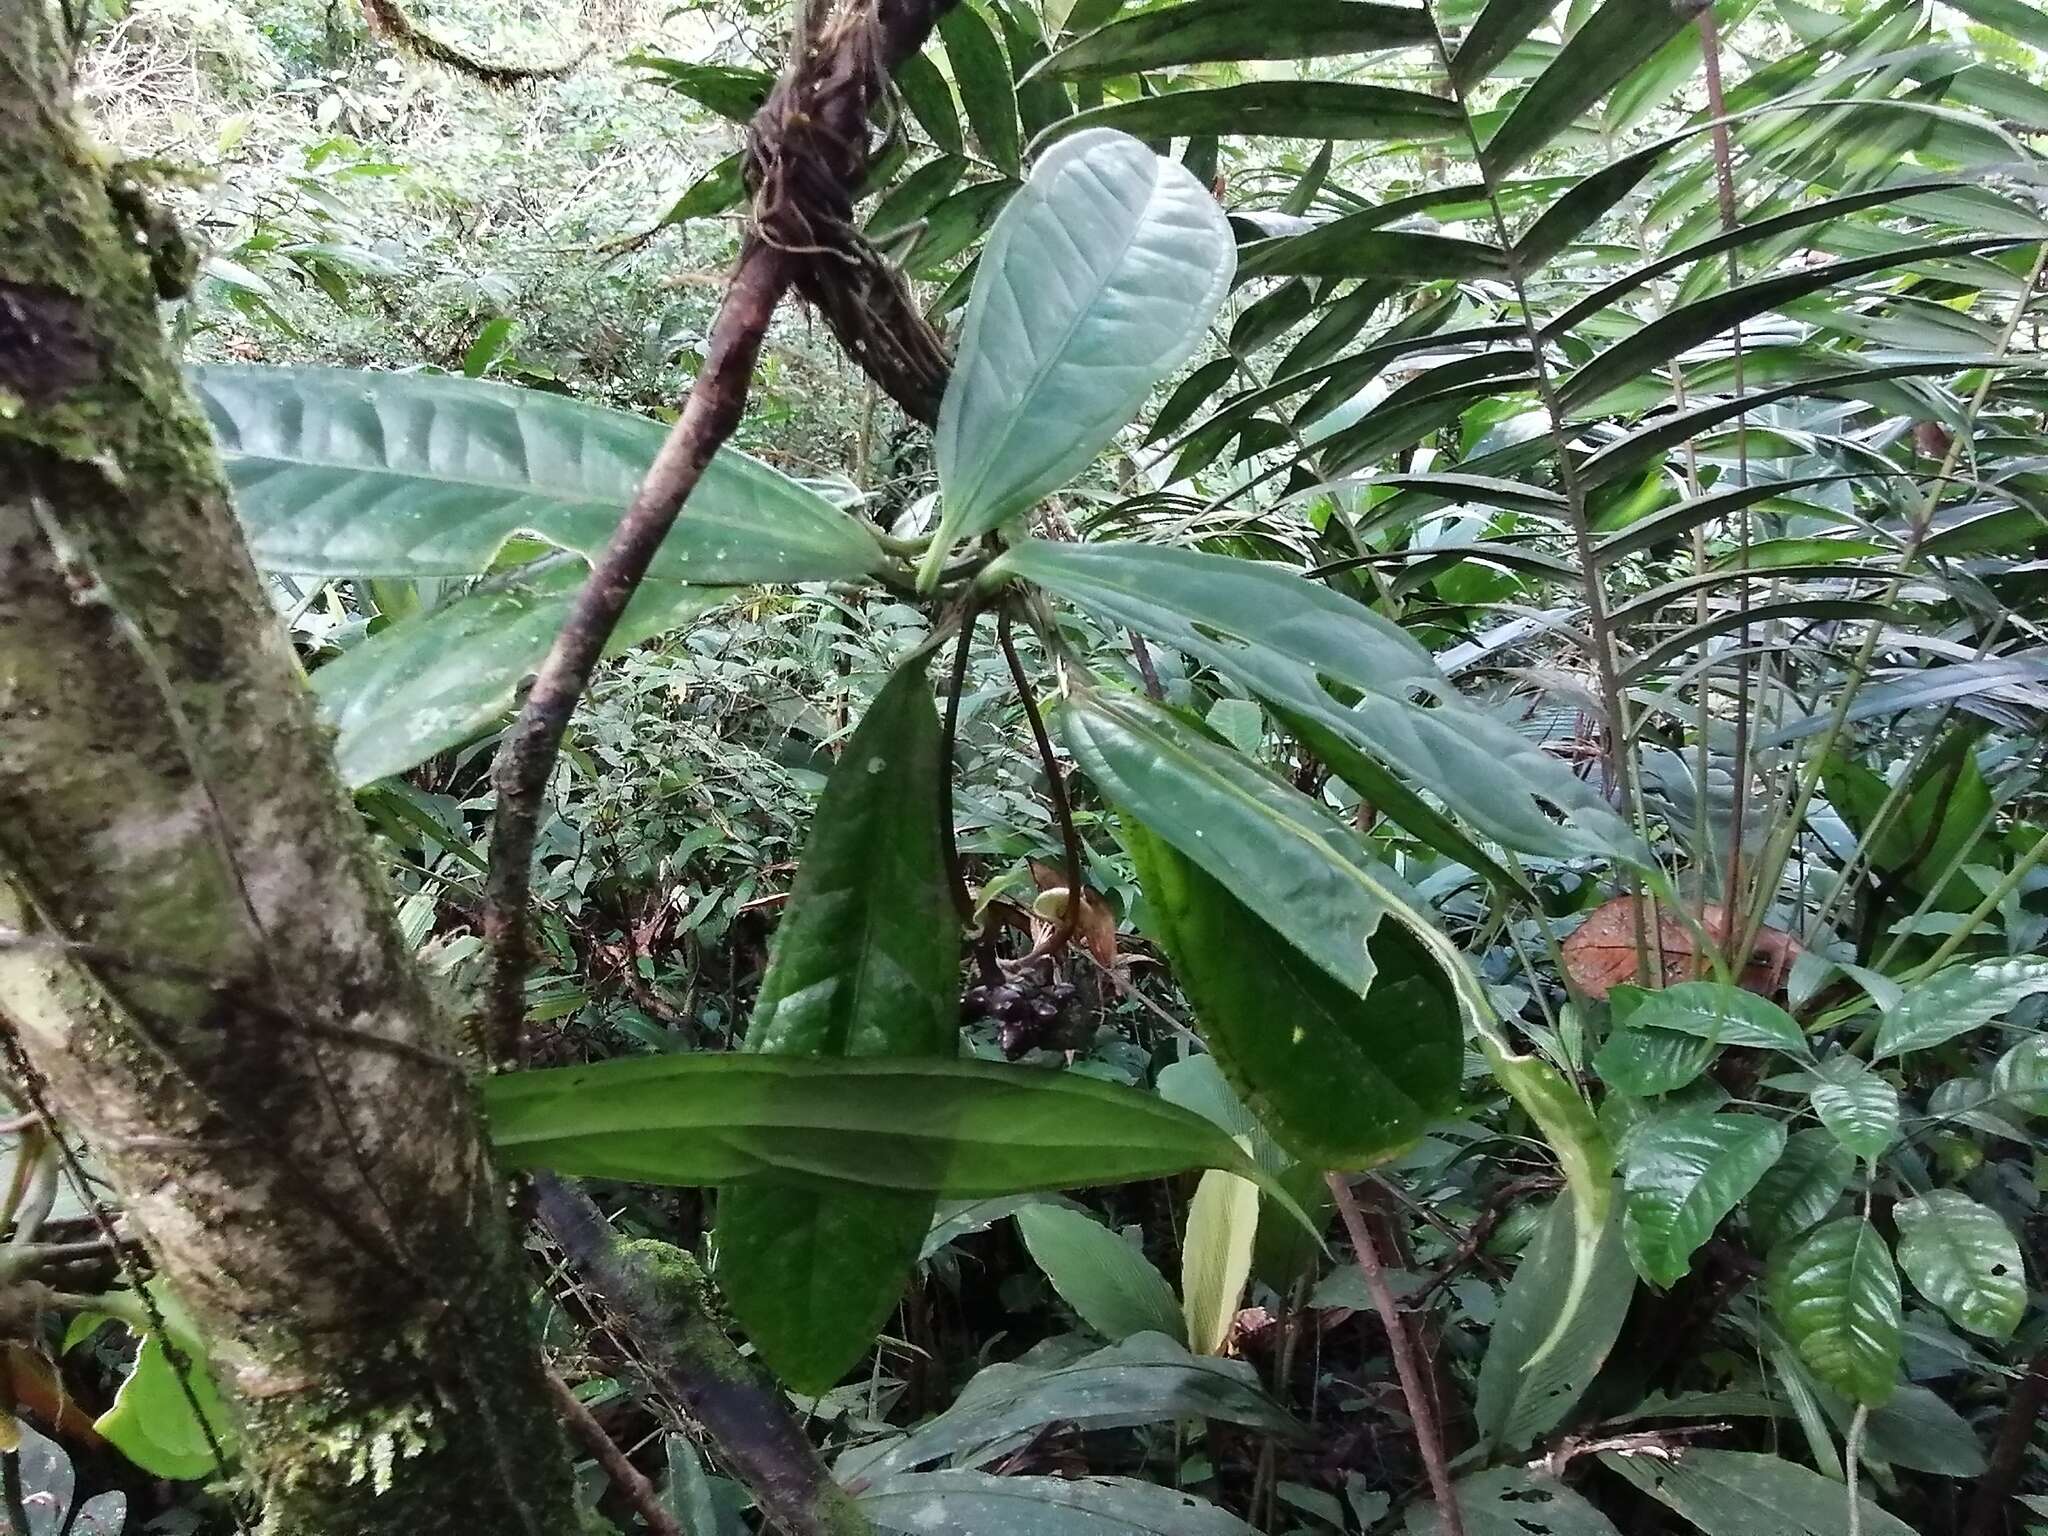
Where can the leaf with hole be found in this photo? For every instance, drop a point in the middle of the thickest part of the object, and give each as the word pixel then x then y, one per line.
pixel 1963 1257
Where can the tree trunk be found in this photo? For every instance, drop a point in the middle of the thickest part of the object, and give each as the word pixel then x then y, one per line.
pixel 213 984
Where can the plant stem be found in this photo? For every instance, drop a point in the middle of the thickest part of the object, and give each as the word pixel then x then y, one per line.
pixel 2023 1412
pixel 1055 789
pixel 1401 1345
pixel 624 1476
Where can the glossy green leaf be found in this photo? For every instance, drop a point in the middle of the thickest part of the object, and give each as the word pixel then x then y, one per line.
pixel 343 472
pixel 1746 1493
pixel 1216 1257
pixel 1287 640
pixel 717 190
pixel 1289 109
pixel 2021 1077
pixel 1111 1286
pixel 960 1128
pixel 1859 1108
pixel 1609 44
pixel 1095 284
pixel 732 91
pixel 1145 1379
pixel 983 78
pixel 1355 246
pixel 1963 1257
pixel 1836 1295
pixel 1801 1188
pixel 428 684
pixel 1681 1174
pixel 1511 1501
pixel 865 963
pixel 1955 1000
pixel 1646 1062
pixel 956 223
pixel 962 1502
pixel 1518 1402
pixel 1342 1079
pixel 1725 1014
pixel 151 1421
pixel 1212 31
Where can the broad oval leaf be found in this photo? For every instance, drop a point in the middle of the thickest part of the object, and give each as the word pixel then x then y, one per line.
pixel 1836 1295
pixel 1646 1062
pixel 1342 1079
pixel 1962 1257
pixel 430 683
pixel 1722 1013
pixel 1096 283
pixel 965 1129
pixel 1801 1188
pixel 1857 1106
pixel 1111 1286
pixel 348 472
pixel 1955 1000
pixel 1683 1172
pixel 866 963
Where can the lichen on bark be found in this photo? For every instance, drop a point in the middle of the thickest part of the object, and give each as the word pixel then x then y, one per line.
pixel 225 1008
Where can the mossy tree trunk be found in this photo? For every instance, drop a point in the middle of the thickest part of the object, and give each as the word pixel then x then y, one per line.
pixel 218 995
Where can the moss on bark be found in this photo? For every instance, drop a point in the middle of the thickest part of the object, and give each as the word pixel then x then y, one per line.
pixel 237 1025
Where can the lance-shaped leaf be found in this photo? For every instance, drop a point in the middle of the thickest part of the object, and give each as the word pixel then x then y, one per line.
pixel 958 1501
pixel 1320 109
pixel 1836 1295
pixel 1955 1000
pixel 1801 1187
pixel 1215 31
pixel 430 683
pixel 1859 1108
pixel 964 1129
pixel 1601 53
pixel 1290 640
pixel 1097 282
pixel 983 77
pixel 1747 1493
pixel 1963 1257
pixel 1111 1286
pixel 866 963
pixel 346 472
pixel 1341 1079
pixel 1683 1172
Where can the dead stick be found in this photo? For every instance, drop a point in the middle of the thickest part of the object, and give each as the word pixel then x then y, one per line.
pixel 1428 1439
pixel 624 1476
pixel 2023 1410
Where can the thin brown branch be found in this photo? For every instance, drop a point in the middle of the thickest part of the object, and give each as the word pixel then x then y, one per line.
pixel 1055 791
pixel 2023 1411
pixel 623 1475
pixel 1407 1365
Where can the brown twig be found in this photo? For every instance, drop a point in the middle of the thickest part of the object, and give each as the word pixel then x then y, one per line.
pixel 808 150
pixel 2023 1411
pixel 623 1475
pixel 1055 791
pixel 1401 1345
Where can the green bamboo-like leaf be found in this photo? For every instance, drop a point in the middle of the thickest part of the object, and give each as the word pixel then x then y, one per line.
pixel 1955 1000
pixel 1354 246
pixel 714 192
pixel 1286 640
pixel 1342 1079
pixel 1500 27
pixel 430 683
pixel 866 963
pixel 1725 1014
pixel 983 76
pixel 1313 109
pixel 1683 1172
pixel 1963 1257
pixel 960 1502
pixel 1095 285
pixel 913 197
pixel 931 102
pixel 1836 1295
pixel 1610 44
pixel 1517 1403
pixel 345 472
pixel 955 223
pixel 2015 18
pixel 1859 1108
pixel 1800 1189
pixel 1111 1286
pixel 1213 31
pixel 1745 1493
pixel 962 1129
pixel 732 91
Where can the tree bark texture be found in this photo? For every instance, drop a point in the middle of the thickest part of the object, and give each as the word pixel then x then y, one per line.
pixel 224 1006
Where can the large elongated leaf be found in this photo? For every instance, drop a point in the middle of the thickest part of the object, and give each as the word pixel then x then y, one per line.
pixel 984 81
pixel 1606 47
pixel 1859 1108
pixel 1355 246
pixel 1955 1000
pixel 430 683
pixel 341 472
pixel 1837 1297
pixel 866 963
pixel 1211 31
pixel 1288 109
pixel 1744 1493
pixel 1725 1014
pixel 1683 1172
pixel 1963 1257
pixel 959 1502
pixel 1286 639
pixel 1111 1286
pixel 1512 1501
pixel 1340 1078
pixel 966 1129
pixel 1519 1401
pixel 1145 1379
pixel 1502 25
pixel 1095 285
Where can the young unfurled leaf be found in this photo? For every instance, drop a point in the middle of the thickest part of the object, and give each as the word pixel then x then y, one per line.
pixel 1216 1257
pixel 866 963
